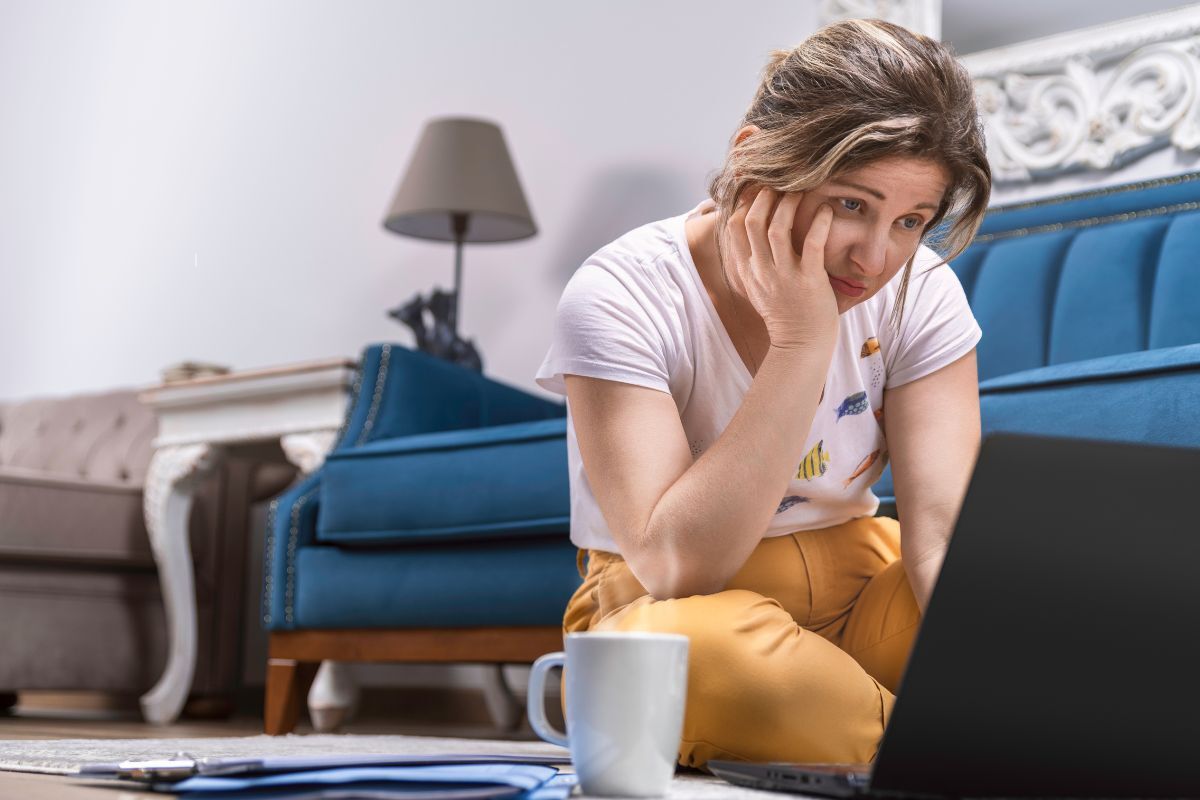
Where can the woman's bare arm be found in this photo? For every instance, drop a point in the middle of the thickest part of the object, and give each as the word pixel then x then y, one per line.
pixel 686 528
pixel 933 432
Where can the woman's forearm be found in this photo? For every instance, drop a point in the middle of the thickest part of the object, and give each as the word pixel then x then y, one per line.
pixel 709 521
pixel 922 577
pixel 924 538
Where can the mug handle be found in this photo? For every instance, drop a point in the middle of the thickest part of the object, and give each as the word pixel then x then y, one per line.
pixel 535 701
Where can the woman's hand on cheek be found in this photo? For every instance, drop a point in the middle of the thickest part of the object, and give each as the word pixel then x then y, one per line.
pixel 824 302
pixel 790 290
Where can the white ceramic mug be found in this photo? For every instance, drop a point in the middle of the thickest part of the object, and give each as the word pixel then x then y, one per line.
pixel 625 696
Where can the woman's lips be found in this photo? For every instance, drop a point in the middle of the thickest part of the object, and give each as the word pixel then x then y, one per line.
pixel 845 288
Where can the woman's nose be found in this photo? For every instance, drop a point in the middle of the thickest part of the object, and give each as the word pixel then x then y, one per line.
pixel 870 252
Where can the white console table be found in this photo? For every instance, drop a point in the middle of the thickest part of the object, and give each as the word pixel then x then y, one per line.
pixel 301 405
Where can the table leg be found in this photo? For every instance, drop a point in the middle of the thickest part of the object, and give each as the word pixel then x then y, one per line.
pixel 167 503
pixel 506 711
pixel 333 698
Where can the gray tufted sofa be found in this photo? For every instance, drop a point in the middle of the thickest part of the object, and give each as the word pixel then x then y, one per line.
pixel 79 600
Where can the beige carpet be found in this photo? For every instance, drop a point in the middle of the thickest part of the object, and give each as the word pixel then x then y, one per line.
pixel 64 756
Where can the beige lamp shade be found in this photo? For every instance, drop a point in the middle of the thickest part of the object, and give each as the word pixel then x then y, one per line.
pixel 461 167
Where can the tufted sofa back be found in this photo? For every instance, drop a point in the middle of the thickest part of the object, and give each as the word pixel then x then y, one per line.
pixel 101 438
pixel 1084 276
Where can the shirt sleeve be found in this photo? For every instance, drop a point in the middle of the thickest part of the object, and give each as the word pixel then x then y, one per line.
pixel 603 328
pixel 937 328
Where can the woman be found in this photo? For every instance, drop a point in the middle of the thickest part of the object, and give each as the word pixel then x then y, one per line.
pixel 727 374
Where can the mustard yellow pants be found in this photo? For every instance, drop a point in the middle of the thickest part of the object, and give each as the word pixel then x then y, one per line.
pixel 796 659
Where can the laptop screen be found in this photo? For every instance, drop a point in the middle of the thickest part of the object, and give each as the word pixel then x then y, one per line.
pixel 1059 651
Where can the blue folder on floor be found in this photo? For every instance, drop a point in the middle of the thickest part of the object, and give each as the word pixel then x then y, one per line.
pixel 438 782
pixel 448 776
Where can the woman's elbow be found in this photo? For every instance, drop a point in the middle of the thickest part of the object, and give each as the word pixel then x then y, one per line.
pixel 670 576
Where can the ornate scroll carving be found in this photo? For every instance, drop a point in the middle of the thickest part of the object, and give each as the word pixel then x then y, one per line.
pixel 167 502
pixel 1080 118
pixel 307 450
pixel 1092 99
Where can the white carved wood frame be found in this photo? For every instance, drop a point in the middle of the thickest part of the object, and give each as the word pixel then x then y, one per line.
pixel 1096 98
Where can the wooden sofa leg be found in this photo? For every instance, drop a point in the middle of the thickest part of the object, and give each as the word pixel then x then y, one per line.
pixel 288 681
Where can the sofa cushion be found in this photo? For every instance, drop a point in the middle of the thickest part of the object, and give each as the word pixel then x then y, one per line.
pixel 1151 396
pixel 525 581
pixel 497 482
pixel 68 628
pixel 1014 288
pixel 44 516
pixel 1102 306
pixel 1174 319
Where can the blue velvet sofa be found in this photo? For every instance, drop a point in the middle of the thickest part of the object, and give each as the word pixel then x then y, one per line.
pixel 1090 309
pixel 437 529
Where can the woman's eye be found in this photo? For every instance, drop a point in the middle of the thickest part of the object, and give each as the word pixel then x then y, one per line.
pixel 850 204
pixel 911 223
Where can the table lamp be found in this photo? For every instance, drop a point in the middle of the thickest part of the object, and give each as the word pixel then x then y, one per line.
pixel 460 186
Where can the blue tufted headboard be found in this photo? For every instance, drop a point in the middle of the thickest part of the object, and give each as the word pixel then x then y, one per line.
pixel 1085 275
pixel 1060 284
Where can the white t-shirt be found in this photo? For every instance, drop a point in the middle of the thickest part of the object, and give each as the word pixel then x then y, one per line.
pixel 636 311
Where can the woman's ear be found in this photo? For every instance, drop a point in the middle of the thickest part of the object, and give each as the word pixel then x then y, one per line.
pixel 743 132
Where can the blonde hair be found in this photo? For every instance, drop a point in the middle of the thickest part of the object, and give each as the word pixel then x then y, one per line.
pixel 852 93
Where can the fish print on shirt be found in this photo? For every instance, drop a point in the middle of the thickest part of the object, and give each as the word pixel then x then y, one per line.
pixel 863 466
pixel 856 403
pixel 870 348
pixel 789 501
pixel 814 464
pixel 876 375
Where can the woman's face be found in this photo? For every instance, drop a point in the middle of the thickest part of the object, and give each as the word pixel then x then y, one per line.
pixel 880 212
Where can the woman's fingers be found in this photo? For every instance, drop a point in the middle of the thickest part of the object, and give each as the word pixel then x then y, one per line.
pixel 739 243
pixel 758 217
pixel 779 234
pixel 813 255
pixel 789 290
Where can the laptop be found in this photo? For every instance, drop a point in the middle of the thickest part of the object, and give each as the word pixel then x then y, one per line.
pixel 1060 652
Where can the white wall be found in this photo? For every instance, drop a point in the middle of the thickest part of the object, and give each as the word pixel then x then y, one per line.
pixel 206 180
pixel 972 25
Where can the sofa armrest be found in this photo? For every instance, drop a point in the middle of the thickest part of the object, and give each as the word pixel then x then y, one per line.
pixel 402 392
pixel 291 525
pixel 1125 366
pixel 1147 396
pixel 500 482
pixel 1150 396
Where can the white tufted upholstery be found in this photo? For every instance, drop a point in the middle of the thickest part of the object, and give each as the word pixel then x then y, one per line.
pixel 100 438
pixel 79 600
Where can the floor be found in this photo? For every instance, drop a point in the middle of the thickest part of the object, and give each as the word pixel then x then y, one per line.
pixel 452 713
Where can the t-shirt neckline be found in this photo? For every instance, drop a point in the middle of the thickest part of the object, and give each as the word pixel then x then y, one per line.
pixel 685 252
